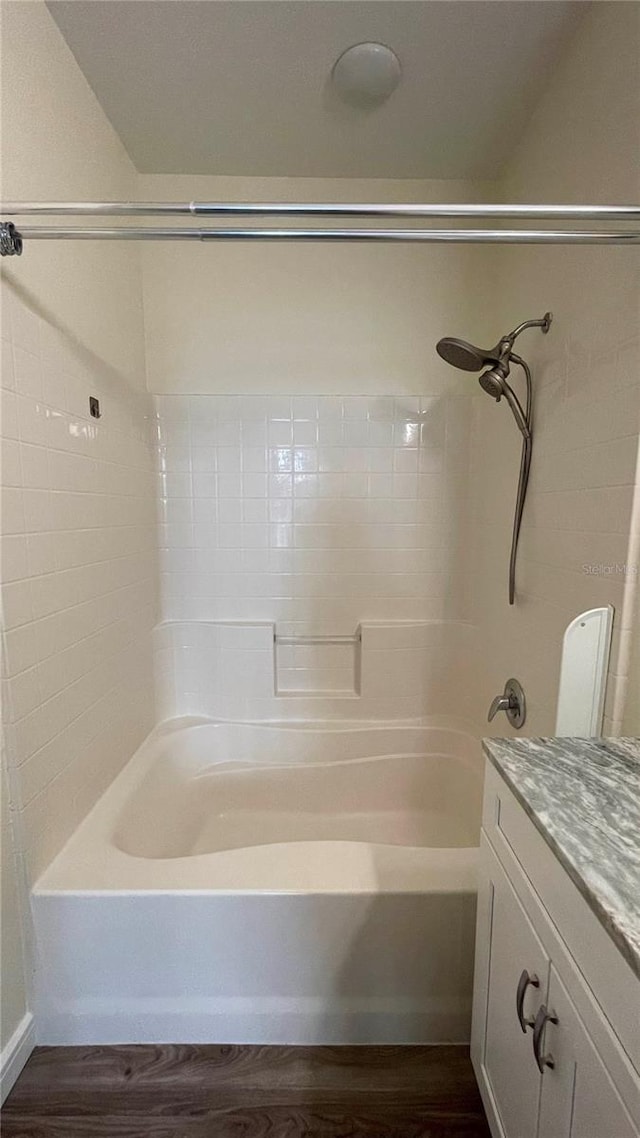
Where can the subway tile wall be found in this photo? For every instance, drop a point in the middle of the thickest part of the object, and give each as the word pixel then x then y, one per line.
pixel 79 574
pixel 312 515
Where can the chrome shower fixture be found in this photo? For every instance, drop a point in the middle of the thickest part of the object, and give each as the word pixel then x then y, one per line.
pixel 496 363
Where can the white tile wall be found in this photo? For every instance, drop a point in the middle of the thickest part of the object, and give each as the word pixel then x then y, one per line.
pixel 314 514
pixel 79 575
pixel 404 670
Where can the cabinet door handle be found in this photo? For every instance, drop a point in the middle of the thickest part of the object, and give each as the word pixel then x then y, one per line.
pixel 543 1017
pixel 523 983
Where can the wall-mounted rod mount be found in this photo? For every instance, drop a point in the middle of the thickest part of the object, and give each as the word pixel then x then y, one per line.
pixel 10 240
pixel 426 236
pixel 324 209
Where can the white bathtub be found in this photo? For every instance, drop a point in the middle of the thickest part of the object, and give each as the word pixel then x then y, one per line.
pixel 268 883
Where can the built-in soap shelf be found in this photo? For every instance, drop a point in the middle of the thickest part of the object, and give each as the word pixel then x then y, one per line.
pixel 311 664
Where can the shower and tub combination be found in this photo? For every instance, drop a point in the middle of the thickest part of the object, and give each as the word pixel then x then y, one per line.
pixel 307 882
pixel 282 881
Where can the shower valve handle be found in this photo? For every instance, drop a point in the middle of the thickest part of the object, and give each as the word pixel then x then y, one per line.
pixel 500 703
pixel 512 702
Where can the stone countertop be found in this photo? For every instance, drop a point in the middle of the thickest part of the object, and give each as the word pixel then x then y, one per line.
pixel 583 795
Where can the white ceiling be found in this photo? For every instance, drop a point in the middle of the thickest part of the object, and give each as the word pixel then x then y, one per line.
pixel 241 87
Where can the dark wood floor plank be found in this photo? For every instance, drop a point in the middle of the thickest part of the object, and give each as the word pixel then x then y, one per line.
pixel 249 1124
pixel 245 1092
pixel 293 1067
pixel 209 1104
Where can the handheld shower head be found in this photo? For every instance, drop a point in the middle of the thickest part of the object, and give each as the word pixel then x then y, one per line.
pixel 492 381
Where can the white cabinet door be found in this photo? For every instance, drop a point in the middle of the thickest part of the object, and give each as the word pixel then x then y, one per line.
pixel 505 1051
pixel 578 1097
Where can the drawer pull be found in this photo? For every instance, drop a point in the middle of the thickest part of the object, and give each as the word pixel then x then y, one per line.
pixel 523 983
pixel 543 1017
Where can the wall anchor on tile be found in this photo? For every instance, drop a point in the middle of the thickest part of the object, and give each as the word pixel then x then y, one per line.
pixel 94 407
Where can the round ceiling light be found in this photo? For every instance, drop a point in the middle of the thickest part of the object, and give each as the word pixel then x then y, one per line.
pixel 366 74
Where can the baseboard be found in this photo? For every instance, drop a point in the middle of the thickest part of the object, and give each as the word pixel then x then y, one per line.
pixel 16 1052
pixel 270 1021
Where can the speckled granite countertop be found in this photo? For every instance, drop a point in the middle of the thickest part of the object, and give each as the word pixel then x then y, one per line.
pixel 583 795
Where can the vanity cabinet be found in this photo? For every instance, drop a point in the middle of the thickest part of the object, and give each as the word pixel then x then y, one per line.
pixel 556 1026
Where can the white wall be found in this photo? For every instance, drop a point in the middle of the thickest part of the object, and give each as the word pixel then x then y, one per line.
pixel 320 319
pixel 582 145
pixel 78 547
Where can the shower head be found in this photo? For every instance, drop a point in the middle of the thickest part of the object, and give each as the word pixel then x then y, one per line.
pixel 492 381
pixel 462 355
pixel 468 357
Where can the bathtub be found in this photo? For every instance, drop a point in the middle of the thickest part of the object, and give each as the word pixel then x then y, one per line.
pixel 266 883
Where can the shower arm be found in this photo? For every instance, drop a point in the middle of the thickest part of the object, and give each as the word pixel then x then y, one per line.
pixel 544 323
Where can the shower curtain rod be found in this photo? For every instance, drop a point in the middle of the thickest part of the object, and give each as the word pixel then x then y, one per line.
pixel 11 238
pixel 325 209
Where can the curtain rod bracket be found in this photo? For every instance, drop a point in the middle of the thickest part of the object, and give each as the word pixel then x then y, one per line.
pixel 10 240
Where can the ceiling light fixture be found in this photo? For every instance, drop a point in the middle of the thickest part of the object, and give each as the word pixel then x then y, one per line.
pixel 366 74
